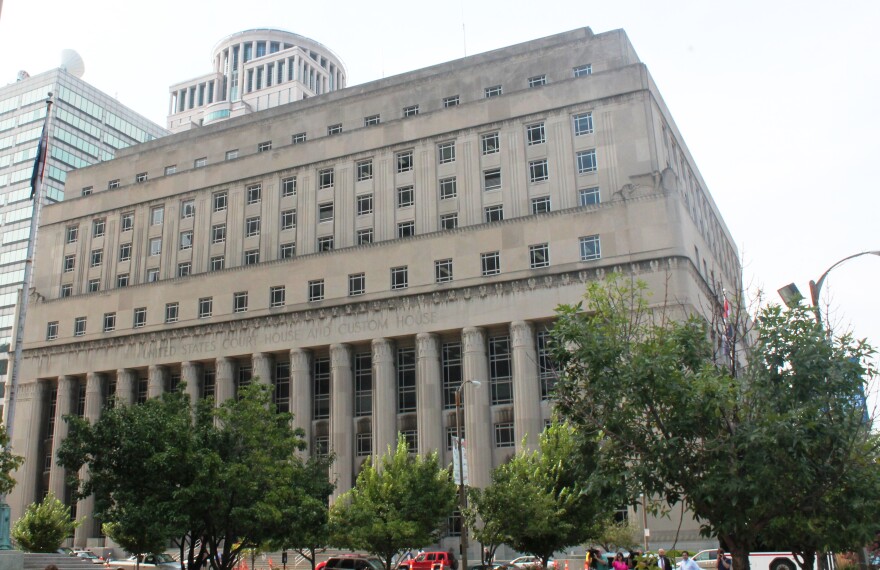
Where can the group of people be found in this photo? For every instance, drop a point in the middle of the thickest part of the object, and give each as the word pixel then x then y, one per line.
pixel 596 561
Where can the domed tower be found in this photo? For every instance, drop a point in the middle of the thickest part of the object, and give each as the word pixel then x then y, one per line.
pixel 254 70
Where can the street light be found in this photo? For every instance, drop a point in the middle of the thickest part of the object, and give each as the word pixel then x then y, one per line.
pixel 462 495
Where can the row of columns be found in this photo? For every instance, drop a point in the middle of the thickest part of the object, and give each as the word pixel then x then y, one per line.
pixel 478 421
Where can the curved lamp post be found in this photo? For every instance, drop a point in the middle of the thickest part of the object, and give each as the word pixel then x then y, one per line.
pixel 462 494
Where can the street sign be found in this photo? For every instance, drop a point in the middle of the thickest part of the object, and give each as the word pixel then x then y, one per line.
pixel 456 470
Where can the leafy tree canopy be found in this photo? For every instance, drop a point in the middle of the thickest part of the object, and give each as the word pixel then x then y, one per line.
pixel 44 526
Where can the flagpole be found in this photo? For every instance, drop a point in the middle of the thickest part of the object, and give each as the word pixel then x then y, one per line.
pixel 37 198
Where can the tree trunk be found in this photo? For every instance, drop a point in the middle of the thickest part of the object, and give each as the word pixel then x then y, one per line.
pixel 739 554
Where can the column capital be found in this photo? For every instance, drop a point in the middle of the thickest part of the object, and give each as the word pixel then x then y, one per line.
pixel 340 355
pixel 300 359
pixel 427 344
pixel 382 349
pixel 474 338
pixel 522 333
pixel 93 382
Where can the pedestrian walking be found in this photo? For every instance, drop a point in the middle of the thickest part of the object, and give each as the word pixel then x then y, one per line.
pixel 619 563
pixel 724 562
pixel 663 561
pixel 687 563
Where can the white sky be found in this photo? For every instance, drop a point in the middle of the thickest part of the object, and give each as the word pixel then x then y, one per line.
pixel 777 100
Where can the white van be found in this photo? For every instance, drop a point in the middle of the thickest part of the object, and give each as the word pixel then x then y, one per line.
pixel 757 560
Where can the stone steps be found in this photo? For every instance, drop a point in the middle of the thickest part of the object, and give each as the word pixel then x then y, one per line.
pixel 39 560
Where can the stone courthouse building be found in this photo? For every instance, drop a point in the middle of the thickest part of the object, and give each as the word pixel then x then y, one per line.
pixel 366 250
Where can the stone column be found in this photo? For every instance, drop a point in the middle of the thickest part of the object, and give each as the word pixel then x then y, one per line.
pixel 384 397
pixel 190 372
pixel 301 393
pixel 262 364
pixel 430 394
pixel 526 388
pixel 126 385
pixel 68 390
pixel 86 507
pixel 157 381
pixel 30 406
pixel 477 409
pixel 341 413
pixel 224 380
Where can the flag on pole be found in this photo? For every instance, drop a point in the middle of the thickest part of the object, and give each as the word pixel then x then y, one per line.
pixel 40 160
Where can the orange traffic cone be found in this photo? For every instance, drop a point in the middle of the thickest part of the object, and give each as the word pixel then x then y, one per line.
pixel 566 565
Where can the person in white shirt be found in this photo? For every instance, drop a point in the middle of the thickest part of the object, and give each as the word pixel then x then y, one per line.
pixel 686 562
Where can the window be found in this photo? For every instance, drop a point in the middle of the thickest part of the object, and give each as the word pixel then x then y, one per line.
pixel 405 196
pixel 590 248
pixel 113 184
pixel 541 205
pixel 583 124
pixel 492 179
pixel 325 212
pixel 494 213
pixel 140 317
pixel 371 120
pixel 546 368
pixel 232 154
pixel 363 386
pixel 264 146
pixel 411 111
pixel 72 234
pixel 200 162
pixel 87 191
pixel 411 437
pixel 357 284
pixel 447 188
pixel 155 246
pixel 586 161
pixel 141 177
pixel 321 446
pixel 277 296
pixel 69 263
pixel 539 255
pixel 254 193
pixel 298 138
pixel 365 236
pixel 218 233
pixel 126 222
pixel 364 170
pixel 220 201
pixel 406 379
pixel 490 143
pixel 288 186
pixel 171 312
pixel 239 302
pixel 450 101
pixel 52 330
pixel 287 250
pixel 321 399
pixel 442 270
pixel 364 444
pixel 334 129
pixel 96 258
pixel 399 277
pixel 109 322
pixel 537 81
pixel 406 229
pixel 404 161
pixel 538 170
pixel 122 280
pixel 170 169
pixel 535 134
pixel 79 326
pixel 252 226
pixel 98 227
pixel 582 70
pixel 588 196
pixel 446 152
pixel 448 221
pixel 504 435
pixel 325 243
pixel 490 263
pixel 206 307
pixel 157 216
pixel 186 240
pixel 152 275
pixel 364 204
pixel 325 178
pixel 252 257
pixel 500 370
pixel 288 219
pixel 93 285
pixel 316 290
pixel 187 209
pixel 493 91
pixel 216 263
pixel 184 269
pixel 66 290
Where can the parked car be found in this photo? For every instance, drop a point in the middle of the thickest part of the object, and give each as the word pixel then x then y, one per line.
pixel 352 562
pixel 528 562
pixel 493 566
pixel 159 561
pixel 65 550
pixel 427 561
pixel 88 555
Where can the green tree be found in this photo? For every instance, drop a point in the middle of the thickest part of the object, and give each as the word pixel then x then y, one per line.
pixel 44 526
pixel 9 462
pixel 674 424
pixel 402 504
pixel 615 535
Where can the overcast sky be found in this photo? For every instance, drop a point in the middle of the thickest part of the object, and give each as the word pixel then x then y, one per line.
pixel 778 101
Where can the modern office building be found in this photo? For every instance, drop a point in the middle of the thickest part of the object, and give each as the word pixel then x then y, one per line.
pixel 87 126
pixel 366 251
pixel 255 70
